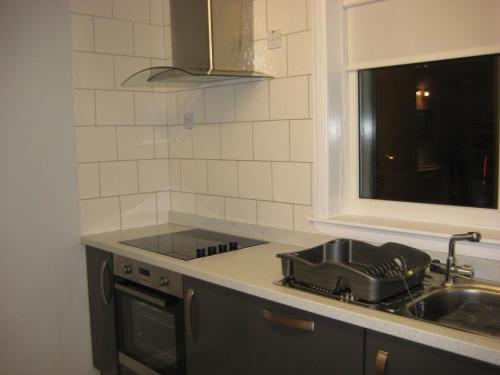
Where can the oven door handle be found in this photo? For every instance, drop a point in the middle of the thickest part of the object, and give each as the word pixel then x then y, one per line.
pixel 143 296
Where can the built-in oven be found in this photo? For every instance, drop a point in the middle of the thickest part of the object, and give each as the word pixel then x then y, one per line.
pixel 150 319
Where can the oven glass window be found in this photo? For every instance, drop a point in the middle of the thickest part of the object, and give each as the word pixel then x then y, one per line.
pixel 151 335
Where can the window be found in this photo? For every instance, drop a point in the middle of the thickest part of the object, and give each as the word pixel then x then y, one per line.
pixel 429 132
pixel 357 42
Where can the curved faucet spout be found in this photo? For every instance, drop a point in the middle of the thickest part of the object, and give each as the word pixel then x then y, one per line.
pixel 451 267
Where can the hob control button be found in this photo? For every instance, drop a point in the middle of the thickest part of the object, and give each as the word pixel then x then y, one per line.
pixel 127 269
pixel 212 250
pixel 233 245
pixel 201 252
pixel 163 281
pixel 222 248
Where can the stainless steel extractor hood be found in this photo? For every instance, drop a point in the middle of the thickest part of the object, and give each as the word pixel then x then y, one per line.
pixel 212 40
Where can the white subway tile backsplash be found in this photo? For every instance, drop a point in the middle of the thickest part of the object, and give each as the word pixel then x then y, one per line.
pixel 207 205
pixel 132 10
pixel 135 142
pixel 148 41
pixel 99 215
pixel 191 102
pixel 118 178
pixel 311 96
pixel 138 210
pixel 113 36
pixel 271 140
pixel 125 66
pixel 82 32
pixel 236 141
pixel 255 180
pixel 167 40
pixel 286 15
pixel 300 53
pixel 300 218
pixel 309 14
pixel 301 140
pixel 271 61
pixel 92 71
pixel 88 180
pixel 264 176
pixel 180 142
pixel 219 104
pixel 242 210
pixel 157 12
pixel 194 176
pixel 103 8
pixel 289 98
pixel 114 108
pixel 153 175
pixel 166 12
pixel 175 174
pixel 161 142
pixel 150 108
pixel 206 142
pixel 292 182
pixel 163 206
pixel 277 215
pixel 95 144
pixel 172 118
pixel 252 101
pixel 223 178
pixel 183 202
pixel 84 107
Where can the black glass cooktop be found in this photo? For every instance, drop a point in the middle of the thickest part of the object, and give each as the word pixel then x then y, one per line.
pixel 192 244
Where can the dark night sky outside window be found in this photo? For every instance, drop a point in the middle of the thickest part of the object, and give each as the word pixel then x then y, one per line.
pixel 429 132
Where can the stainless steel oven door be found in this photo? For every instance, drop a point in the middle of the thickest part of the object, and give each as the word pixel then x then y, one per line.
pixel 150 331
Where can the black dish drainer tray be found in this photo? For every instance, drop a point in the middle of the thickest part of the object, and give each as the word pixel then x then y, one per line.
pixel 370 273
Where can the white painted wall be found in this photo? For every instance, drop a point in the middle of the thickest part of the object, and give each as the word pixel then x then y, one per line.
pixel 44 313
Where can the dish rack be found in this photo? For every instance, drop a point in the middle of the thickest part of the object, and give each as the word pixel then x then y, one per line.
pixel 369 273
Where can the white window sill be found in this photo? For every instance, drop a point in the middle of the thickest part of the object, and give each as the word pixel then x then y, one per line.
pixel 423 235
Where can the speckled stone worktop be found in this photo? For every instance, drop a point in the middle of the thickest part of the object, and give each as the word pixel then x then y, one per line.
pixel 253 271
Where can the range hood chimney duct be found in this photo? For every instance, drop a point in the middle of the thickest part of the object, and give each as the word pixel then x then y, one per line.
pixel 212 40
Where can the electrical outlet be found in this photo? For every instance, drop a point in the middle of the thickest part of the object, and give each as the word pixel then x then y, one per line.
pixel 274 39
pixel 188 120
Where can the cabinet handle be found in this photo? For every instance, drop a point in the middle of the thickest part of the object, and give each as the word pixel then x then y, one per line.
pixel 104 295
pixel 380 362
pixel 304 325
pixel 189 313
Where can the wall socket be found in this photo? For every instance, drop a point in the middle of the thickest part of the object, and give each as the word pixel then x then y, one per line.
pixel 274 39
pixel 188 120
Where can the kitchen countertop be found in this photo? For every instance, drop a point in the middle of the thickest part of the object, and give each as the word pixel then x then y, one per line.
pixel 253 271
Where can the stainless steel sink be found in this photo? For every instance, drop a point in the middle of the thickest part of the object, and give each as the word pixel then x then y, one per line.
pixel 472 308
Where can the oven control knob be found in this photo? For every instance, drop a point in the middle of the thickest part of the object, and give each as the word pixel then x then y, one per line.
pixel 233 245
pixel 127 269
pixel 163 281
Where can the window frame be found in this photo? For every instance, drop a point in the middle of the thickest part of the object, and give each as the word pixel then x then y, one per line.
pixel 338 209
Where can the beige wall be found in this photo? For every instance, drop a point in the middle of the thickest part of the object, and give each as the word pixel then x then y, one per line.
pixel 247 158
pixel 44 310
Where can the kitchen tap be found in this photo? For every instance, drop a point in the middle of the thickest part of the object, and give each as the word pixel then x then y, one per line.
pixel 452 269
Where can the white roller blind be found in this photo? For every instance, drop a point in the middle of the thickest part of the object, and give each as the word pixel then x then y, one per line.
pixel 392 32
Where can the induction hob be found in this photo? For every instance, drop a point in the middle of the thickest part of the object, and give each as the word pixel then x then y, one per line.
pixel 192 244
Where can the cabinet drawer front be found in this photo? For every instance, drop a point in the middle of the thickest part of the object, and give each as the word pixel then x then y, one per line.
pixel 409 358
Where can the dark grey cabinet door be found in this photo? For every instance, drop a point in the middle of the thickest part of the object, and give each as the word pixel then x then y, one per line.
pixel 409 358
pixel 208 322
pixel 102 310
pixel 235 333
pixel 273 339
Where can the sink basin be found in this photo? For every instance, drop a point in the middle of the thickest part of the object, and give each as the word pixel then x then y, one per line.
pixel 470 308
